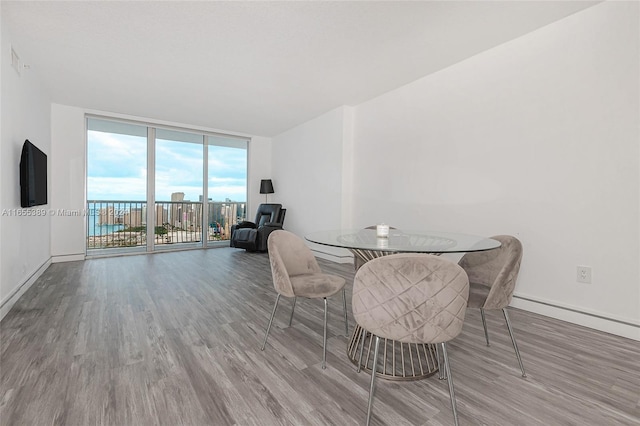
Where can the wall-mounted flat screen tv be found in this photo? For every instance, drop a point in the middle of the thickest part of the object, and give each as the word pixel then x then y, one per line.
pixel 33 176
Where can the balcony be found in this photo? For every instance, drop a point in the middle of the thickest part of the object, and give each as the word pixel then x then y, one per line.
pixel 123 224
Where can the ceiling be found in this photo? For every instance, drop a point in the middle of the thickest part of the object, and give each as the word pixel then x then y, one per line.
pixel 256 68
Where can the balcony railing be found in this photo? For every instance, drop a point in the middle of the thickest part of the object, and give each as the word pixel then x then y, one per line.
pixel 120 224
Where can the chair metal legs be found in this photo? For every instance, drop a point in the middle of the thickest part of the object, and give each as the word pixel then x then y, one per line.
pixel 344 305
pixel 364 336
pixel 513 340
pixel 324 338
pixel 373 378
pixel 442 350
pixel 441 373
pixel 293 308
pixel 484 325
pixel 447 368
pixel 324 334
pixel 270 321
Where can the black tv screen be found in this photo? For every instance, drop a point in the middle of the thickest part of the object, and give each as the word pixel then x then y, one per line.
pixel 33 176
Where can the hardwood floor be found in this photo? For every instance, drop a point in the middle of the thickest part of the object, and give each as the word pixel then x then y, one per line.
pixel 174 339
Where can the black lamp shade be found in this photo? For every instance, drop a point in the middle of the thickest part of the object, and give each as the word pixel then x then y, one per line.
pixel 266 186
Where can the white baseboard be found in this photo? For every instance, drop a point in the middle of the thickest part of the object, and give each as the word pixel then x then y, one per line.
pixel 12 298
pixel 67 258
pixel 576 315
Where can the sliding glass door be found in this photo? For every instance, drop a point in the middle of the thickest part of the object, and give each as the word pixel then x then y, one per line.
pixel 179 161
pixel 116 185
pixel 146 186
pixel 226 185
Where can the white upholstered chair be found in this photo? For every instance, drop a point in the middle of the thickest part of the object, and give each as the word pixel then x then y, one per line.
pixel 411 298
pixel 296 273
pixel 492 277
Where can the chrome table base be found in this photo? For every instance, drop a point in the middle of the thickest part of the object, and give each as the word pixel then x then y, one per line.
pixel 400 361
pixel 396 360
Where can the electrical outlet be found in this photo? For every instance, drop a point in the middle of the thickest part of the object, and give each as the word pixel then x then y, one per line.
pixel 584 274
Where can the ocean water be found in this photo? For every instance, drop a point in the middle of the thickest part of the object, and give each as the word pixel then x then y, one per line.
pixel 101 229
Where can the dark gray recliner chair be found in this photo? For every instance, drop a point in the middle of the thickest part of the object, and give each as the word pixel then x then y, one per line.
pixel 252 236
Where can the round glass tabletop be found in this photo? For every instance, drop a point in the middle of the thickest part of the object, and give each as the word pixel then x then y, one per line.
pixel 403 241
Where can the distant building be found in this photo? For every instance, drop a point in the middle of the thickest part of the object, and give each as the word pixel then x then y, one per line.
pixel 184 214
pixel 175 215
pixel 107 216
pixel 133 218
pixel 162 215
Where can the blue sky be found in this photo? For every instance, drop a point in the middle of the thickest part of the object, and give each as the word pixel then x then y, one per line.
pixel 117 169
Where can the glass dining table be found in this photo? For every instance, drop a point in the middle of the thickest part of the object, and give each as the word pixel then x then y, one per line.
pixel 400 361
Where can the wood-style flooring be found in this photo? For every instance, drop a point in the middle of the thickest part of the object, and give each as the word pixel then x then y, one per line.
pixel 174 339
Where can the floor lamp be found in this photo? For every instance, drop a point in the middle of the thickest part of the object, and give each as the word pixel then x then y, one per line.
pixel 266 187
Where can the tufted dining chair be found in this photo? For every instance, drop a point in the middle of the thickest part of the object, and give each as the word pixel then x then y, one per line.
pixel 296 273
pixel 411 298
pixel 492 276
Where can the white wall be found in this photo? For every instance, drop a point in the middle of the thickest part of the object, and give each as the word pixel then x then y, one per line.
pixel 3 60
pixel 68 136
pixel 537 138
pixel 309 172
pixel 259 168
pixel 68 174
pixel 25 114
